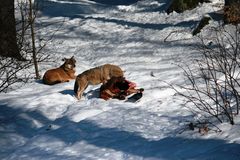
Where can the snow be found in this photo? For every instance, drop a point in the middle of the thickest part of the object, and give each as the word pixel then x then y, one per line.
pixel 40 122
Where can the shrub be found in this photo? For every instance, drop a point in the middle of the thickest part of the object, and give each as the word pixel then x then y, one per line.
pixel 213 82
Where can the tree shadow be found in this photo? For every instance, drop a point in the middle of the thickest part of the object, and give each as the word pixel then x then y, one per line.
pixel 69 8
pixel 57 9
pixel 173 148
pixel 162 8
pixel 115 2
pixel 117 139
pixel 154 26
pixel 80 10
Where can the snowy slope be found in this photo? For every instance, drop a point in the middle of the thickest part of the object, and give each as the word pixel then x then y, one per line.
pixel 40 122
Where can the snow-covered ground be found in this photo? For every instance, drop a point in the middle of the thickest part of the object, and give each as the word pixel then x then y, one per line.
pixel 40 122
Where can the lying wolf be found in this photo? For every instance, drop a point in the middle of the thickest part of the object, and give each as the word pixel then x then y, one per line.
pixel 95 76
pixel 64 73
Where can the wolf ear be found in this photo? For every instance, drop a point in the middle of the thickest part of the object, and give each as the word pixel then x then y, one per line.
pixel 72 57
pixel 64 59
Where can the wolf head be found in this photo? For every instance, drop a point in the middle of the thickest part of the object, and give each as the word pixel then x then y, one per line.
pixel 69 63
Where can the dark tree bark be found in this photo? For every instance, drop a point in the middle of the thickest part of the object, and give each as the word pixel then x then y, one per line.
pixel 229 2
pixel 181 5
pixel 232 12
pixel 8 40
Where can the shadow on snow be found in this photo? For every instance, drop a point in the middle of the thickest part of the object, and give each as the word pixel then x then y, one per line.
pixel 112 138
pixel 72 11
pixel 70 8
pixel 116 2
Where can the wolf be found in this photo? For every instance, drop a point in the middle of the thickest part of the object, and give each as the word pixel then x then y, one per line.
pixel 64 73
pixel 95 76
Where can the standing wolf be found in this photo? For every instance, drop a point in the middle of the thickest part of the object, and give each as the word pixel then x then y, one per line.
pixel 95 76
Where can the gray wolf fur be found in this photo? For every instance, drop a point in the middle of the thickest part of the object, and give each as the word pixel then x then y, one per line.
pixel 95 76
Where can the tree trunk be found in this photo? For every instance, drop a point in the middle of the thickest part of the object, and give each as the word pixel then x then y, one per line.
pixel 31 21
pixel 232 12
pixel 230 2
pixel 180 6
pixel 8 40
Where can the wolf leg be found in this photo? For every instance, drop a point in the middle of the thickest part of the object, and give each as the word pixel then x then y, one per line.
pixel 81 90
